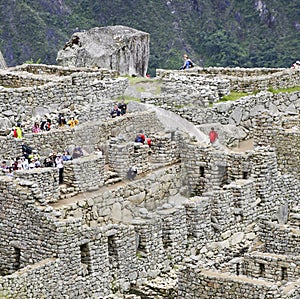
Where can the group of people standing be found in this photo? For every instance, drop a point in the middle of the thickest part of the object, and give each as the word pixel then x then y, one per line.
pixel 45 125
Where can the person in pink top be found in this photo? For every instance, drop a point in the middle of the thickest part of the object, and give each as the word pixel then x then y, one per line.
pixel 36 128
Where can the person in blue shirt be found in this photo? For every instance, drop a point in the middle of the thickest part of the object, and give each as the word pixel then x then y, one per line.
pixel 187 63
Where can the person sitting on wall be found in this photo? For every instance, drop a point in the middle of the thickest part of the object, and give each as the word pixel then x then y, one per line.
pixel 187 63
pixel 73 122
pixel 115 111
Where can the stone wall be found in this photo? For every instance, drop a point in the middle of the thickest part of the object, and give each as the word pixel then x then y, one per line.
pixel 283 135
pixel 2 62
pixel 244 79
pixel 271 267
pixel 45 90
pixel 47 181
pixel 88 136
pixel 241 112
pixel 122 203
pixel 279 239
pixel 84 174
pixel 195 282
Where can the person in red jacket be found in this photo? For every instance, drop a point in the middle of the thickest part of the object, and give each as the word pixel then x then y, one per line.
pixel 213 136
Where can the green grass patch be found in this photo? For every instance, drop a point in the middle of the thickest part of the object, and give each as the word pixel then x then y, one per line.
pixel 290 89
pixel 127 99
pixel 233 96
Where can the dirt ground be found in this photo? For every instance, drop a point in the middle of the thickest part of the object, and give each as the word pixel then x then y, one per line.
pixel 243 146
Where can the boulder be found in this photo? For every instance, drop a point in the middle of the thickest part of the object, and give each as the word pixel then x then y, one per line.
pixel 2 62
pixel 114 47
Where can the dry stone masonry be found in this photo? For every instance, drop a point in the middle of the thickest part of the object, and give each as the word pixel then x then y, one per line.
pixel 197 221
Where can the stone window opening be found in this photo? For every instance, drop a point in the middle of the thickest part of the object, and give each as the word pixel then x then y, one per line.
pixel 245 175
pixel 112 251
pixel 17 263
pixel 223 174
pixel 284 274
pixel 140 245
pixel 202 171
pixel 262 270
pixel 237 268
pixel 167 242
pixel 85 259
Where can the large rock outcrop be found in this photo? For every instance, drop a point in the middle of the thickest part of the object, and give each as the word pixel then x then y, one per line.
pixel 2 62
pixel 114 47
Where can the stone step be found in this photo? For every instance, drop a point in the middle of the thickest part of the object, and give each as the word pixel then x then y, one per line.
pixel 67 195
pixel 111 181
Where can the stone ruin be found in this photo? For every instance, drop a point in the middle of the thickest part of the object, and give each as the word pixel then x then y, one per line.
pixel 2 62
pixel 196 222
pixel 114 47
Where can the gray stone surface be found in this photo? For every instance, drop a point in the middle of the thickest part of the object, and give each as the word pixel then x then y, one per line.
pixel 114 47
pixel 2 62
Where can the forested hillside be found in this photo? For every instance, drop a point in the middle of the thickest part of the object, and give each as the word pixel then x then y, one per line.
pixel 214 33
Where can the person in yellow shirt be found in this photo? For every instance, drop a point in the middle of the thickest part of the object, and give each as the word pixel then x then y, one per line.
pixel 19 131
pixel 72 122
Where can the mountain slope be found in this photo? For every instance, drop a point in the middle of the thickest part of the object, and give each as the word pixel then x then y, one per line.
pixel 214 33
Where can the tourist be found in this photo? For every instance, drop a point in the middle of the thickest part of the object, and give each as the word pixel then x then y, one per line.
pixel 73 122
pixel 296 65
pixel 10 172
pixel 98 152
pixel 140 137
pixel 213 136
pixel 19 131
pixel 25 164
pixel 123 107
pixel 60 166
pixel 66 156
pixel 36 128
pixel 4 166
pixel 77 152
pixel 61 120
pixel 132 172
pixel 187 63
pixel 46 123
pixel 48 161
pixel 115 111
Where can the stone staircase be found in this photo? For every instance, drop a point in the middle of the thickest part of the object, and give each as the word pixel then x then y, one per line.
pixel 67 191
pixel 111 177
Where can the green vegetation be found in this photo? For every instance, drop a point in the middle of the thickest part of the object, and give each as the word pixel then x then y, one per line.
pixel 219 33
pixel 291 89
pixel 233 96
pixel 33 62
